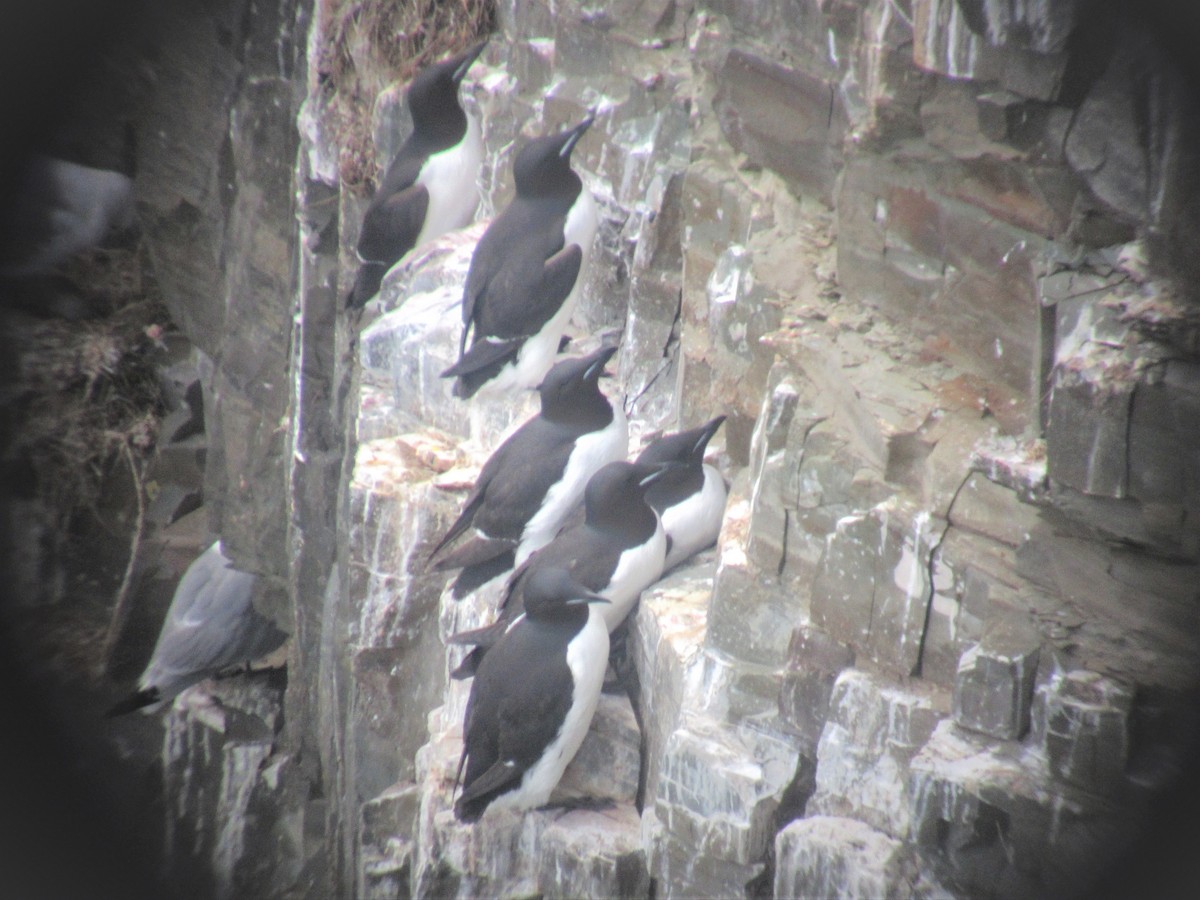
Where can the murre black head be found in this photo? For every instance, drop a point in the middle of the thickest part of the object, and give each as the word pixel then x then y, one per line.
pixel 618 490
pixel 543 167
pixel 683 446
pixel 433 93
pixel 570 393
pixel 554 588
pixel 569 372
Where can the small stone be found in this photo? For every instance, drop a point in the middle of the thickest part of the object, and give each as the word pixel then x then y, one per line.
pixel 1034 76
pixel 390 814
pixel 218 740
pixel 944 42
pixel 1106 145
pixel 749 616
pixel 873 584
pixel 783 118
pixel 718 789
pixel 993 689
pixel 457 479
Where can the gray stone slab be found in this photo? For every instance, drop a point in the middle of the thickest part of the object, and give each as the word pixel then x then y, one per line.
pixel 1081 722
pixel 993 690
pixel 872 733
pixel 831 857
pixel 814 662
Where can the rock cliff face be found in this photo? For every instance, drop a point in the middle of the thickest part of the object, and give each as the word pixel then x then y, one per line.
pixel 932 259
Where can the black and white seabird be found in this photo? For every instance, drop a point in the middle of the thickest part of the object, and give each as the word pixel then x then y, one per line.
pixel 431 185
pixel 527 272
pixel 533 698
pixel 690 498
pixel 211 625
pixel 62 208
pixel 538 475
pixel 617 551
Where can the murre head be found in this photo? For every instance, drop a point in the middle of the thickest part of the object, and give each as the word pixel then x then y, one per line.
pixel 683 452
pixel 543 167
pixel 617 493
pixel 683 446
pixel 433 94
pixel 573 382
pixel 553 589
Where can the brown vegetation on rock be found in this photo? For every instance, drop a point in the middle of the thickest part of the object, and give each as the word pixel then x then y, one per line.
pixel 393 38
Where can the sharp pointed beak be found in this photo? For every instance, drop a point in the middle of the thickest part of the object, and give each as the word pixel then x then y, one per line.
pixel 596 369
pixel 575 134
pixel 578 592
pixel 586 598
pixel 468 59
pixel 708 431
pixel 659 471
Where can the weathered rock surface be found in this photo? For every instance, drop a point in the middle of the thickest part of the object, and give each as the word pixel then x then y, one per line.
pixel 990 821
pixel 869 740
pixel 227 816
pixel 954 596
pixel 824 856
pixel 1003 655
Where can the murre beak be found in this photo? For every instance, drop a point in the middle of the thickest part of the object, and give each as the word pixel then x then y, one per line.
pixel 557 582
pixel 468 58
pixel 587 598
pixel 575 134
pixel 656 471
pixel 596 369
pixel 707 432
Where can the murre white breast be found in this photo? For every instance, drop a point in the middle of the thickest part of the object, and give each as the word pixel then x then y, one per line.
pixel 527 272
pixel 617 551
pixel 431 186
pixel 533 698
pixel 537 475
pixel 591 452
pixel 452 180
pixel 691 498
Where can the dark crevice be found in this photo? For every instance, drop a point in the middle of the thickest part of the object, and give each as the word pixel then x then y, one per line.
pixel 793 802
pixel 787 512
pixel 929 566
pixel 1049 339
pixel 667 354
pixel 1127 475
pixel 783 549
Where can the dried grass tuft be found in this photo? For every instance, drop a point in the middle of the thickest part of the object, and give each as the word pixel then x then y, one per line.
pixel 83 393
pixel 370 45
